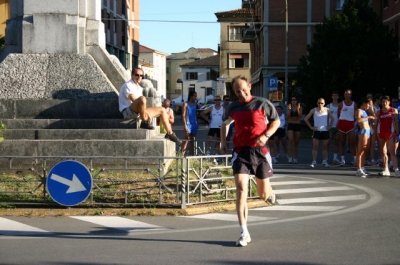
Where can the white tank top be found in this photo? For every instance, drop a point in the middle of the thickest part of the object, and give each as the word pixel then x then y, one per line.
pixel 216 117
pixel 282 118
pixel 347 112
pixel 334 111
pixel 321 119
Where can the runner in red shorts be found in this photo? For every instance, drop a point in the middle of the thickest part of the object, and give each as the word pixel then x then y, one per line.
pixel 387 135
pixel 346 125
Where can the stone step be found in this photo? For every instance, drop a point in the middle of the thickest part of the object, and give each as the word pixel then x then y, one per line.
pixel 82 134
pixel 68 124
pixel 157 146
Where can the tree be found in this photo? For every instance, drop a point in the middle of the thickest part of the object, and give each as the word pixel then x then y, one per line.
pixel 352 50
pixel 2 42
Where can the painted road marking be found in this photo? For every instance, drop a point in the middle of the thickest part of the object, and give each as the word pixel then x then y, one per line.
pixel 119 223
pixel 323 199
pixel 280 183
pixel 306 190
pixel 12 228
pixel 227 217
pixel 300 208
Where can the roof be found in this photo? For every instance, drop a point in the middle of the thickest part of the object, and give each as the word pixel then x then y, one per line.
pixel 145 49
pixel 209 61
pixel 236 13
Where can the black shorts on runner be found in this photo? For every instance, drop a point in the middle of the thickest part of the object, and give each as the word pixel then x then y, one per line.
pixel 321 135
pixel 253 161
pixel 214 131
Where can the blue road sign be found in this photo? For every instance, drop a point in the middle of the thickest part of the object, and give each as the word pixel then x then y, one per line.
pixel 69 183
pixel 273 83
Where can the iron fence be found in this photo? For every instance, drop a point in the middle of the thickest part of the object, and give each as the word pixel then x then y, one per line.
pixel 175 181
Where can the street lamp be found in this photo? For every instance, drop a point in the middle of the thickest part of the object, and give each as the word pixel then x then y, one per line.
pixel 205 94
pixel 286 54
pixel 179 83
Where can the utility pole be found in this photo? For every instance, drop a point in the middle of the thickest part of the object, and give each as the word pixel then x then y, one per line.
pixel 286 53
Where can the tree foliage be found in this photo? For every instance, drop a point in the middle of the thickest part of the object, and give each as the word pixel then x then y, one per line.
pixel 2 42
pixel 352 50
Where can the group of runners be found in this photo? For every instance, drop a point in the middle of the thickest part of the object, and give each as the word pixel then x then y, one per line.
pixel 361 129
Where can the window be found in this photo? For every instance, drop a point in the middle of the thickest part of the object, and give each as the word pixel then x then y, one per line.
pixel 238 60
pixel 385 3
pixel 339 4
pixel 235 33
pixel 191 76
pixel 208 76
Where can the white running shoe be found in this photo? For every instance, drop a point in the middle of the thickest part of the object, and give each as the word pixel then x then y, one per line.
pixel 336 161
pixel 342 163
pixel 294 161
pixel 313 164
pixel 290 159
pixel 325 163
pixel 361 173
pixel 272 198
pixel 243 240
pixel 385 173
pixel 365 171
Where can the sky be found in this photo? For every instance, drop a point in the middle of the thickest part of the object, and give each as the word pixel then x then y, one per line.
pixel 174 37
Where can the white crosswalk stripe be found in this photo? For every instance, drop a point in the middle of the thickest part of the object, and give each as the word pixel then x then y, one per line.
pixel 226 217
pixel 9 227
pixel 119 223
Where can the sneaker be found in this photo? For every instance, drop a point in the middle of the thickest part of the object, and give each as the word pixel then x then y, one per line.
pixel 336 161
pixel 325 163
pixel 172 137
pixel 397 173
pixel 367 163
pixel 352 163
pixel 374 163
pixel 365 171
pixel 385 173
pixel 342 163
pixel 290 159
pixel 147 126
pixel 243 240
pixel 272 198
pixel 277 156
pixel 361 173
pixel 294 161
pixel 313 164
pixel 274 160
pixel 215 162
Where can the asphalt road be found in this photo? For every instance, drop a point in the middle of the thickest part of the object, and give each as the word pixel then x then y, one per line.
pixel 323 216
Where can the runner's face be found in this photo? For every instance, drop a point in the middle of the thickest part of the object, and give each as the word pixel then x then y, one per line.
pixel 242 90
pixel 385 103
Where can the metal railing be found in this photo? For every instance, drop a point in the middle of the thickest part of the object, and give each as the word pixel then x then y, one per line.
pixel 175 181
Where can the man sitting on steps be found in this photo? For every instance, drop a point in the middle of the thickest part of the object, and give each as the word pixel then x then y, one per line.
pixel 132 105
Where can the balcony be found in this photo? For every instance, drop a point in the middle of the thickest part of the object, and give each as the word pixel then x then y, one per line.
pixel 249 34
pixel 248 3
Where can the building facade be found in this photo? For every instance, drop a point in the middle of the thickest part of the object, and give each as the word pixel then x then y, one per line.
pixel 235 55
pixel 153 64
pixel 121 23
pixel 278 35
pixel 4 15
pixel 174 83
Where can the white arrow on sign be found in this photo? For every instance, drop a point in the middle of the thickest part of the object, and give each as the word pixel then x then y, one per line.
pixel 75 185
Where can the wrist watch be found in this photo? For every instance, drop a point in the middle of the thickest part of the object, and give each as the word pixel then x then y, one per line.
pixel 268 135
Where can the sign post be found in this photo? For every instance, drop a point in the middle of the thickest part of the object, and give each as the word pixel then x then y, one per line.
pixel 273 83
pixel 69 183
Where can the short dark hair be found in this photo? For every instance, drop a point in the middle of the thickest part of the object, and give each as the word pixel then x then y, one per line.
pixel 191 93
pixel 239 77
pixel 136 68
